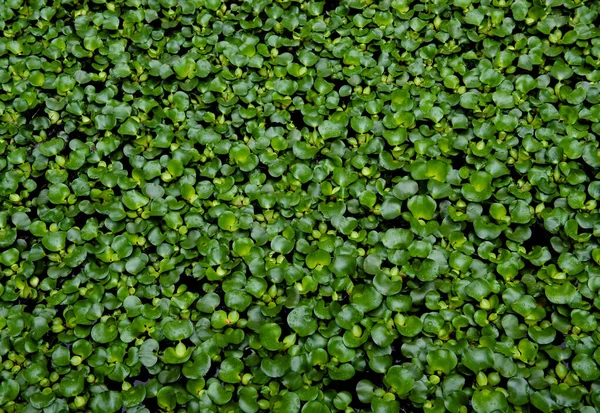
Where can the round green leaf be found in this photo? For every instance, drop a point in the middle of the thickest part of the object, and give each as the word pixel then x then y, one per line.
pixel 106 402
pixel 302 321
pixel 176 330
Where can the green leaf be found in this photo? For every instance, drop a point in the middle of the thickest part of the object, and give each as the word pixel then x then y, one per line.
pixel 276 367
pixel 130 127
pixel 177 330
pixel 286 87
pixel 177 355
pixel 409 326
pixel 329 129
pixel 561 71
pixel 361 124
pixel 230 370
pixel 105 332
pixel 562 294
pixel 55 241
pixel 72 384
pixel 348 316
pixel 391 208
pixel 478 359
pixel 134 200
pixel 106 402
pixel 585 367
pixel 289 403
pixel 399 379
pixel 9 390
pixel 422 207
pixel 489 401
pixel 318 258
pixel 442 360
pixel 52 147
pixel 302 321
pixel 148 351
pixel 184 67
pixel 269 336
pixel 405 189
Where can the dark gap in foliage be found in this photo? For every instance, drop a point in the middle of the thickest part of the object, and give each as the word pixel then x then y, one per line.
pixel 390 175
pixel 485 207
pixel 376 54
pixel 333 35
pixel 285 328
pixel 282 322
pixel 589 170
pixel 164 344
pixel 260 168
pixel 356 404
pixel 406 406
pixel 283 313
pixel 338 83
pixel 330 5
pixel 151 403
pixel 470 63
pixel 469 379
pixel 539 237
pixel 514 174
pixel 218 290
pixel 343 298
pixel 222 307
pixel 213 371
pixel 193 285
pixel 54 130
pixel 350 133
pixel 351 385
pixel 60 309
pixel 397 356
pixel 76 134
pixel 458 161
pixel 31 113
pixel 49 338
pixel 291 49
pixel 143 377
pixel 24 235
pixel 119 98
pixel 297 118
pixel 344 102
pixel 80 219
pixel 318 158
pixel 188 343
pixel 97 85
pixel 27 303
pixel 39 188
pixel 289 257
pixel 397 222
pixel 111 384
pixel 469 228
pixel 560 339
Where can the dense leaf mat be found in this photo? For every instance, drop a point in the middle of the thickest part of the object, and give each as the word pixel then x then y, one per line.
pixel 259 205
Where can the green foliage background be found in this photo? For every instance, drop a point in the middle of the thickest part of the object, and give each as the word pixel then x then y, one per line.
pixel 334 206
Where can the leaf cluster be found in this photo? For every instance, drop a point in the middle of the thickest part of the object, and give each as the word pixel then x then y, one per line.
pixel 299 206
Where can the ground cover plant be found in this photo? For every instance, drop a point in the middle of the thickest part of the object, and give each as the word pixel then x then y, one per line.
pixel 299 206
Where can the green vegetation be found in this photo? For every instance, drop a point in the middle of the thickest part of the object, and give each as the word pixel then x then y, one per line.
pixel 299 206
